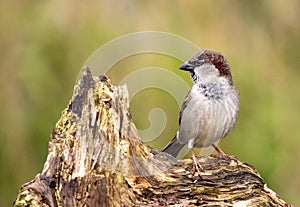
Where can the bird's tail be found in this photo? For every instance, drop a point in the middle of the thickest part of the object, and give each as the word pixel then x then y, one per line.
pixel 173 147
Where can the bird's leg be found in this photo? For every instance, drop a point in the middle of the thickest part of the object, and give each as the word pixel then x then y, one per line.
pixel 196 165
pixel 222 154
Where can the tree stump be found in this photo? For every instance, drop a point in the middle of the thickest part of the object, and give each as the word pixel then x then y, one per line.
pixel 96 158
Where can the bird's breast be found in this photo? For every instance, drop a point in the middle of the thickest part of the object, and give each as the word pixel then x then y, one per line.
pixel 209 115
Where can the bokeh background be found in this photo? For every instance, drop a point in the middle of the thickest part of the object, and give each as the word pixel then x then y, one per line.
pixel 45 43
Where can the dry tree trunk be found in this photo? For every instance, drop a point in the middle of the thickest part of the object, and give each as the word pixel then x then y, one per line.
pixel 96 158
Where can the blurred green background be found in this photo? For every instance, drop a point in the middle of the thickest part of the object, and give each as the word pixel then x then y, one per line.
pixel 45 43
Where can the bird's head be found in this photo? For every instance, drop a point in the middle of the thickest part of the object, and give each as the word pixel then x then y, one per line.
pixel 208 66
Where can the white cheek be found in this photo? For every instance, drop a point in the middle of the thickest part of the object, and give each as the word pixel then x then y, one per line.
pixel 208 73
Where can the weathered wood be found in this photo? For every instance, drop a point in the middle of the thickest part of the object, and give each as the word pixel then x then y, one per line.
pixel 96 158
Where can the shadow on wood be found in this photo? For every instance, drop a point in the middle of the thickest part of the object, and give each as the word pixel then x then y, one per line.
pixel 96 158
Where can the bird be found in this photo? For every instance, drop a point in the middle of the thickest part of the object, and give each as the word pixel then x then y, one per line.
pixel 210 109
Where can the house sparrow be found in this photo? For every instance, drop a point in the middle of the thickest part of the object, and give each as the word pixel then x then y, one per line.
pixel 210 109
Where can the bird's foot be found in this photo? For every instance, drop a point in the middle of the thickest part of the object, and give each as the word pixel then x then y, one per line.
pixel 222 154
pixel 197 168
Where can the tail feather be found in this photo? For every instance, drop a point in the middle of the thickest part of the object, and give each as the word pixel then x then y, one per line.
pixel 173 147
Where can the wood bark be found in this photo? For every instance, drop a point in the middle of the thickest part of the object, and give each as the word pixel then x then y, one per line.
pixel 96 158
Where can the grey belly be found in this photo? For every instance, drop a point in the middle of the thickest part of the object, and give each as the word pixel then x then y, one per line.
pixel 205 122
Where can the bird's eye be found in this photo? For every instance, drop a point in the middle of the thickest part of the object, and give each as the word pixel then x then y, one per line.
pixel 199 62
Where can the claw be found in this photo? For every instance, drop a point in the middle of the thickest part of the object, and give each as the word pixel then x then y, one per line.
pixel 222 154
pixel 196 165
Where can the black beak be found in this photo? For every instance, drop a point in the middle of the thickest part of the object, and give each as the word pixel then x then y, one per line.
pixel 186 66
